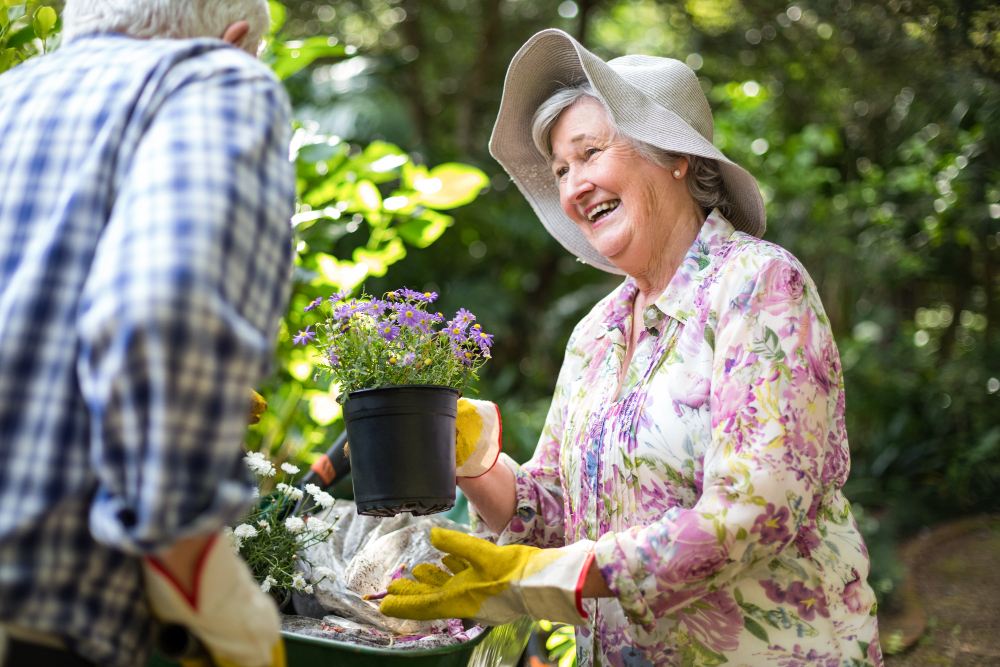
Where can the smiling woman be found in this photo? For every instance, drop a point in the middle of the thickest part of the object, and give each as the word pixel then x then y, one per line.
pixel 696 443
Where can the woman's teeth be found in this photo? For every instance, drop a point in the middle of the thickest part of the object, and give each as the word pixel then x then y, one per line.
pixel 602 210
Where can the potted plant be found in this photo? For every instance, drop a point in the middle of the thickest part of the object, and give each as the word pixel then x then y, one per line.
pixel 401 370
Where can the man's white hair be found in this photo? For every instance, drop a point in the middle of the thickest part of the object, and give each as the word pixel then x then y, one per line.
pixel 145 19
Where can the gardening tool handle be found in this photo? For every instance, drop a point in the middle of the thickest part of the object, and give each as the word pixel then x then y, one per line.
pixel 331 466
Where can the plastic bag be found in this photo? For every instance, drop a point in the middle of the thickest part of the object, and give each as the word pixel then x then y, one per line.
pixel 364 554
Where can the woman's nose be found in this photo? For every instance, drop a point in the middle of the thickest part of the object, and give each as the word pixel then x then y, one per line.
pixel 578 185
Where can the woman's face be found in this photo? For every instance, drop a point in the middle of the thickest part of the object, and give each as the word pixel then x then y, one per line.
pixel 625 206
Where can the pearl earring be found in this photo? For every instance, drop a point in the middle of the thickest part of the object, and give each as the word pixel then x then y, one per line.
pixel 677 173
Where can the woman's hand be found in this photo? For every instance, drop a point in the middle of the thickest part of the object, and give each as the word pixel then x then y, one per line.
pixel 494 585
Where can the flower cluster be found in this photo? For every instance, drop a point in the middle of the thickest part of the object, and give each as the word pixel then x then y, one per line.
pixel 369 342
pixel 282 526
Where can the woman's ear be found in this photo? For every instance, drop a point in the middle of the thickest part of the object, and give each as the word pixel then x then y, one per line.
pixel 236 33
pixel 680 168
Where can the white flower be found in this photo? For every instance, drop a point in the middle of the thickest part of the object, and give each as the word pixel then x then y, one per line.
pixel 265 525
pixel 298 583
pixel 289 468
pixel 245 531
pixel 308 589
pixel 323 499
pixel 323 572
pixel 267 583
pixel 291 491
pixel 295 525
pixel 234 542
pixel 317 526
pixel 259 464
pixel 312 489
pixel 256 493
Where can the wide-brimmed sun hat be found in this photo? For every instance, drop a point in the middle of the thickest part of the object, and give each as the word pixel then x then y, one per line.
pixel 652 99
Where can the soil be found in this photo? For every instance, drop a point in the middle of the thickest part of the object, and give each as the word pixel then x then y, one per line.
pixel 958 582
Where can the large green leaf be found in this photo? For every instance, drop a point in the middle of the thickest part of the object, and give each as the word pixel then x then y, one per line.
pixel 342 275
pixel 367 196
pixel 425 229
pixel 293 56
pixel 45 19
pixel 378 261
pixel 450 185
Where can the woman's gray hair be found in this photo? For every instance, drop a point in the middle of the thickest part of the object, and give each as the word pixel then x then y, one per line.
pixel 705 182
pixel 146 19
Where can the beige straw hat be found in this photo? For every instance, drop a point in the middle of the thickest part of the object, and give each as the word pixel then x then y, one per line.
pixel 655 100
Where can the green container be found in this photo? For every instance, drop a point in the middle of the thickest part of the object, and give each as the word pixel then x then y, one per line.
pixel 496 647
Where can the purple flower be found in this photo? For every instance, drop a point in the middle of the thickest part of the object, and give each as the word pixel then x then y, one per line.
pixel 409 316
pixel 343 312
pixel 377 308
pixel 455 332
pixel 483 339
pixel 304 336
pixel 388 330
pixel 313 304
pixel 334 360
pixel 409 358
pixel 410 295
pixel 434 317
pixel 339 296
pixel 429 297
pixel 464 317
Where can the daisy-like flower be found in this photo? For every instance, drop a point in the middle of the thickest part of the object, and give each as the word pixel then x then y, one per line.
pixel 409 358
pixel 410 295
pixel 388 330
pixel 312 304
pixel 317 526
pixel 334 360
pixel 295 525
pixel 409 316
pixel 429 297
pixel 456 332
pixel 483 339
pixel 245 531
pixel 289 468
pixel 338 296
pixel 323 572
pixel 259 464
pixel 308 590
pixel 267 583
pixel 322 498
pixel 304 337
pixel 265 526
pixel 377 308
pixel 464 317
pixel 298 581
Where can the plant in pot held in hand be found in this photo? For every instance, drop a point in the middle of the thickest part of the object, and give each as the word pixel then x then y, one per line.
pixel 280 529
pixel 401 370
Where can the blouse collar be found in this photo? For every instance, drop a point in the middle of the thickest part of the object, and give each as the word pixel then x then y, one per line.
pixel 677 301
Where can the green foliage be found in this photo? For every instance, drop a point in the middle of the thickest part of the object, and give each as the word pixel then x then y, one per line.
pixel 562 645
pixel 25 31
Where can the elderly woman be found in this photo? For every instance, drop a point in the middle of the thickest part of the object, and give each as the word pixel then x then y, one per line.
pixel 684 504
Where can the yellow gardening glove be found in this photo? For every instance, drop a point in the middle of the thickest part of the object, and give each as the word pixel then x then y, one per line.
pixel 477 437
pixel 237 623
pixel 494 585
pixel 257 407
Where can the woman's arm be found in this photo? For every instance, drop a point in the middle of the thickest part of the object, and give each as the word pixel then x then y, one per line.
pixel 774 390
pixel 493 496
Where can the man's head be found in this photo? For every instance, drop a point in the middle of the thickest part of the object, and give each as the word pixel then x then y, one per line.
pixel 240 22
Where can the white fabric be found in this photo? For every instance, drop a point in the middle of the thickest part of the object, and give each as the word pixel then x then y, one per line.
pixel 488 445
pixel 232 617
pixel 550 593
pixel 656 100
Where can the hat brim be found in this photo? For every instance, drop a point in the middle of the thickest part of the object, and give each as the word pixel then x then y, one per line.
pixel 552 60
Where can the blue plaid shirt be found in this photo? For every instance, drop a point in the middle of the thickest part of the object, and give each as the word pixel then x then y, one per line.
pixel 145 254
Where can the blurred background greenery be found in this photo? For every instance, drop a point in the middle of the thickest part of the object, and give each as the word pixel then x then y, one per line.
pixel 872 127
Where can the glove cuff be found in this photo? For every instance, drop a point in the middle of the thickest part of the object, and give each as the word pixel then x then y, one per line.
pixel 555 591
pixel 165 579
pixel 478 431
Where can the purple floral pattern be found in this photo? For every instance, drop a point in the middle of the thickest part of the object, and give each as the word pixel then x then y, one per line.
pixel 711 481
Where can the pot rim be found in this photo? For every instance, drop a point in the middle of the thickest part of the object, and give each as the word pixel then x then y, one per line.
pixel 391 388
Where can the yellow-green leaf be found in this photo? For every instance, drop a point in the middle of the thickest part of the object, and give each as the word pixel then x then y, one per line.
pixel 342 275
pixel 368 196
pixel 377 262
pixel 45 19
pixel 425 229
pixel 7 58
pixel 13 3
pixel 293 56
pixel 450 185
pixel 4 19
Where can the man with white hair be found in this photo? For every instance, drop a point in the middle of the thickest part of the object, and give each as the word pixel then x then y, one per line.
pixel 145 250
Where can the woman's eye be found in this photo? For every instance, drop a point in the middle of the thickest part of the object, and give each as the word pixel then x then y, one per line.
pixel 561 171
pixel 592 151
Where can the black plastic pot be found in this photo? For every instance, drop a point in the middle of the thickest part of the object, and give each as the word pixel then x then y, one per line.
pixel 402 448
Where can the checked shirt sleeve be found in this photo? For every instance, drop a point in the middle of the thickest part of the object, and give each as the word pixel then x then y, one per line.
pixel 774 388
pixel 181 306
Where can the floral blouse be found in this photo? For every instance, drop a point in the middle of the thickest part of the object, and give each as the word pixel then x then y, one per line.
pixel 711 481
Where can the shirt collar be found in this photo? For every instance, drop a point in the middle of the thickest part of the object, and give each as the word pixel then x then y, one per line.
pixel 677 301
